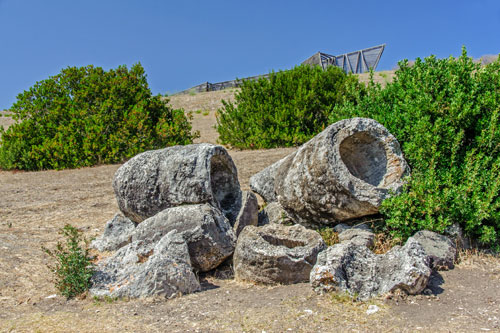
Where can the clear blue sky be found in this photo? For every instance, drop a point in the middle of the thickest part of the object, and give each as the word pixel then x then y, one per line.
pixel 184 43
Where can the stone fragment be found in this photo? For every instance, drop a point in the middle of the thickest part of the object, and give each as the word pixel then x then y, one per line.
pixel 344 172
pixel 276 254
pixel 456 233
pixel 262 182
pixel 343 226
pixel 155 180
pixel 142 269
pixel 208 234
pixel 361 237
pixel 441 251
pixel 274 213
pixel 248 214
pixel 117 233
pixel 358 271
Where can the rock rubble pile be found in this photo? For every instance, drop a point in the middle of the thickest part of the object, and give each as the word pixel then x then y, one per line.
pixel 182 212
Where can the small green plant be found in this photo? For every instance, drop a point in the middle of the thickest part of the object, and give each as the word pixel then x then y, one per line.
pixel 206 113
pixel 197 111
pixel 73 268
pixel 192 93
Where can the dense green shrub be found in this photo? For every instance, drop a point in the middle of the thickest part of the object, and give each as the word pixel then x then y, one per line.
pixel 87 116
pixel 445 114
pixel 285 110
pixel 73 268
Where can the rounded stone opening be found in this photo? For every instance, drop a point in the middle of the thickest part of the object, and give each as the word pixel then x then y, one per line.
pixel 224 183
pixel 365 157
pixel 278 241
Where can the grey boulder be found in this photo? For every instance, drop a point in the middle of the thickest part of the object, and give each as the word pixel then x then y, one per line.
pixel 441 250
pixel 155 180
pixel 117 233
pixel 274 213
pixel 262 182
pixel 142 269
pixel 358 236
pixel 343 226
pixel 276 254
pixel 355 269
pixel 248 214
pixel 207 232
pixel 344 172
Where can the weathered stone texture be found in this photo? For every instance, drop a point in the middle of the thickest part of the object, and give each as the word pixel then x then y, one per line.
pixel 117 233
pixel 208 234
pixel 155 180
pixel 143 269
pixel 356 270
pixel 441 251
pixel 276 254
pixel 344 172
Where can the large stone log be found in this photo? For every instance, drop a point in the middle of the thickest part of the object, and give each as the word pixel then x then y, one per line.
pixel 155 180
pixel 344 172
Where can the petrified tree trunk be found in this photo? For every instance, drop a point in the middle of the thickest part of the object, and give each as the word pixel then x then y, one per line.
pixel 344 172
pixel 155 180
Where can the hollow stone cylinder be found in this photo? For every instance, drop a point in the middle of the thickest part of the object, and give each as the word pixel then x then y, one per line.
pixel 158 179
pixel 344 172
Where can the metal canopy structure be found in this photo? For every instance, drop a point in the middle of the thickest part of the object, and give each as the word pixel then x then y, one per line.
pixel 354 62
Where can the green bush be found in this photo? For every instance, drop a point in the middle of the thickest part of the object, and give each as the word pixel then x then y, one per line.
pixel 285 110
pixel 74 267
pixel 87 116
pixel 444 112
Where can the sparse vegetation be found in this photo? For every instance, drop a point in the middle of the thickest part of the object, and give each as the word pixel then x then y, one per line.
pixel 329 236
pixel 87 116
pixel 73 268
pixel 444 112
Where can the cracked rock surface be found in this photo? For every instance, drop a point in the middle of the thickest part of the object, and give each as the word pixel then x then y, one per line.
pixel 142 269
pixel 344 172
pixel 276 254
pixel 158 179
pixel 207 232
pixel 357 270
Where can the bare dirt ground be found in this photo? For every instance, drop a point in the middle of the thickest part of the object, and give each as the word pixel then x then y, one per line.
pixel 35 205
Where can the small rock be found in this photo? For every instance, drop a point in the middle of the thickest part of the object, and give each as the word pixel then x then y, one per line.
pixel 51 296
pixel 248 214
pixel 274 213
pixel 455 232
pixel 360 237
pixel 441 251
pixel 262 182
pixel 341 227
pixel 117 233
pixel 372 309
